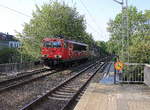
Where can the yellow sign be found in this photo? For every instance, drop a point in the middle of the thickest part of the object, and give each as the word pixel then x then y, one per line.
pixel 118 65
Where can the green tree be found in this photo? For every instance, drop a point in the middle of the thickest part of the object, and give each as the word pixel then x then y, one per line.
pixel 115 28
pixel 50 20
pixel 138 47
pixel 102 47
pixel 140 51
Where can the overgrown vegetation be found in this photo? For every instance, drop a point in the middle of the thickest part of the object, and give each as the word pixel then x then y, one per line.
pixel 8 55
pixel 138 41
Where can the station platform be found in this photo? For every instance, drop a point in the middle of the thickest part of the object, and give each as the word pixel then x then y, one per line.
pixel 105 95
pixel 115 97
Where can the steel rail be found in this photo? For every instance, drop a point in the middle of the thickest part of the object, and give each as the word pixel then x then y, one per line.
pixel 4 85
pixel 26 81
pixel 25 74
pixel 81 88
pixel 42 97
pixel 109 66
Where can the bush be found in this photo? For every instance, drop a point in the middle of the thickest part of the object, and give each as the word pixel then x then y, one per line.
pixel 8 55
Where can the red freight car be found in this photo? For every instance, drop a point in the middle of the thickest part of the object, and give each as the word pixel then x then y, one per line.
pixel 56 50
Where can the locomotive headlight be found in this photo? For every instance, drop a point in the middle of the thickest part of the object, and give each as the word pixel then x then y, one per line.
pixel 58 56
pixel 44 55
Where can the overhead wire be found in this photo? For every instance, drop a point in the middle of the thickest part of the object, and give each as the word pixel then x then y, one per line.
pixel 21 13
pixel 73 3
pixel 91 17
pixel 3 6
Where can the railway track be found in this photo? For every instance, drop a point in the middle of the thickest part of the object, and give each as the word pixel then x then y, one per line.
pixel 26 78
pixel 108 69
pixel 65 93
pixel 24 74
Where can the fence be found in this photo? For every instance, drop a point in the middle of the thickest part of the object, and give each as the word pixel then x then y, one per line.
pixel 16 68
pixel 147 74
pixel 132 73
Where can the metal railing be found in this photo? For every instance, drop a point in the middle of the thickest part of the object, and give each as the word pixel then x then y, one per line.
pixel 147 74
pixel 16 68
pixel 132 73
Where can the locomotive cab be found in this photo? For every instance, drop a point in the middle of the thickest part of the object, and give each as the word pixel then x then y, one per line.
pixel 56 51
pixel 52 49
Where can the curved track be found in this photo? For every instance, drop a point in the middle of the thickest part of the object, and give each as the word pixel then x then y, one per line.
pixel 62 95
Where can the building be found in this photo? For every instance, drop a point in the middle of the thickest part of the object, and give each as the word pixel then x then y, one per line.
pixel 8 41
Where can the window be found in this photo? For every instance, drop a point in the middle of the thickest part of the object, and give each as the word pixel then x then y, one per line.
pixel 54 44
pixel 47 44
pixel 79 47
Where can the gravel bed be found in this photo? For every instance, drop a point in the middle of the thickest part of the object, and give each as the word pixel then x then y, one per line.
pixel 16 98
pixel 75 84
pixel 15 74
pixel 98 76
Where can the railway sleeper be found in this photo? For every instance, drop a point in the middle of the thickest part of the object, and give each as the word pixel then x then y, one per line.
pixel 62 95
pixel 67 93
pixel 58 98
pixel 70 88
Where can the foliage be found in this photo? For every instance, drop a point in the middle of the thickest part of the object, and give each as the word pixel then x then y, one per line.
pixel 8 55
pixel 51 20
pixel 138 47
pixel 103 47
pixel 140 50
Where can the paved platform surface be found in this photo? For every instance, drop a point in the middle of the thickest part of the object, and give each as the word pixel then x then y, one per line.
pixel 115 97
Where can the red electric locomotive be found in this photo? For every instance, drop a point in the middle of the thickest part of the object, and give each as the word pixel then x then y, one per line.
pixel 57 50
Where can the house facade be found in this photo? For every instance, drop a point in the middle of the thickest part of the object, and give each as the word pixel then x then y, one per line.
pixel 8 41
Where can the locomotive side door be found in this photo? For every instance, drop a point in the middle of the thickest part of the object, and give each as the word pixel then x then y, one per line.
pixel 70 50
pixel 65 52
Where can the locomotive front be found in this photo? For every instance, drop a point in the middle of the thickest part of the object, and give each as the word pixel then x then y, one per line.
pixel 52 51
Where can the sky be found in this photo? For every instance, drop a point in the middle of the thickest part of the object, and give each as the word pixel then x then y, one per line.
pixel 97 14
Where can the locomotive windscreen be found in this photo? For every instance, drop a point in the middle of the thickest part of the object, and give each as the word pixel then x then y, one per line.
pixel 55 44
